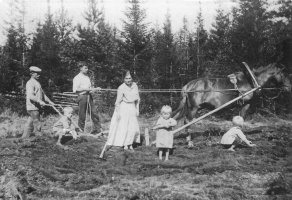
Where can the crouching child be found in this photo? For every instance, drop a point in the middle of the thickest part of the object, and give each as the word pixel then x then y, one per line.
pixel 233 136
pixel 64 126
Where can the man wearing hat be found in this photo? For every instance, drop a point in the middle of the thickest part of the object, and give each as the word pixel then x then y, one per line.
pixel 82 86
pixel 35 99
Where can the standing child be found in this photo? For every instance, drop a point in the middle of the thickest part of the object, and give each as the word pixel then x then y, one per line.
pixel 64 126
pixel 164 137
pixel 229 139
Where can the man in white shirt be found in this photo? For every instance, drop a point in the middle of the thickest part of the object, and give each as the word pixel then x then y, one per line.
pixel 82 86
pixel 35 99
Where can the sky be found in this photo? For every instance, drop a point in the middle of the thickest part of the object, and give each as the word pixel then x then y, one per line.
pixel 156 11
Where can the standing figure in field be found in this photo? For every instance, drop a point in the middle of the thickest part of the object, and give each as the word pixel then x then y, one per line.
pixel 164 136
pixel 124 128
pixel 82 86
pixel 35 99
pixel 232 138
pixel 64 126
pixel 213 93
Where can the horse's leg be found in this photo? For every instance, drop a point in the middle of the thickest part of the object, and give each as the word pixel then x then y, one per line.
pixel 189 118
pixel 244 110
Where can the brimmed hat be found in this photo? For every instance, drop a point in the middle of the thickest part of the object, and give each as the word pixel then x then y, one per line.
pixel 34 69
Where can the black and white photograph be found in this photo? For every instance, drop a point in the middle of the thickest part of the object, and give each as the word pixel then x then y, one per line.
pixel 145 99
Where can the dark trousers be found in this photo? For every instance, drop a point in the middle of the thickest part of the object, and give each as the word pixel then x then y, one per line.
pixel 32 123
pixel 83 107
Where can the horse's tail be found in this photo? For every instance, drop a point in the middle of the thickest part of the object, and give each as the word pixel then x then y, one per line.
pixel 182 108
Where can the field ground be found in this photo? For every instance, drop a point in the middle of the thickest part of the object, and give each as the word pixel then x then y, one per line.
pixel 37 169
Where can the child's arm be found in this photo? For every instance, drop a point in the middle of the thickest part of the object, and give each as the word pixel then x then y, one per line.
pixel 170 123
pixel 243 137
pixel 158 124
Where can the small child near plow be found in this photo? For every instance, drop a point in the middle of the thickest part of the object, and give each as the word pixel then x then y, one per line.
pixel 231 138
pixel 64 126
pixel 164 136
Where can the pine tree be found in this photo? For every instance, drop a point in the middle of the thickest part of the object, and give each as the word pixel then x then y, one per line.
pixel 97 45
pixel 183 52
pixel 14 50
pixel 65 30
pixel 250 33
pixel 45 50
pixel 200 43
pixel 135 48
pixel 219 45
pixel 167 63
pixel 281 32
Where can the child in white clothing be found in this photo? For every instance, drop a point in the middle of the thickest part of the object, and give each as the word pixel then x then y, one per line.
pixel 164 137
pixel 228 140
pixel 64 126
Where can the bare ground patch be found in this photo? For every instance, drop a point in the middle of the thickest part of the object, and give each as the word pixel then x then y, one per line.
pixel 37 169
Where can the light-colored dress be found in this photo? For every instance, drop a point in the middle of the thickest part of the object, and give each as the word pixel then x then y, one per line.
pixel 164 139
pixel 124 127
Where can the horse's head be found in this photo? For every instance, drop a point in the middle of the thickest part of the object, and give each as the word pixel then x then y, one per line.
pixel 273 73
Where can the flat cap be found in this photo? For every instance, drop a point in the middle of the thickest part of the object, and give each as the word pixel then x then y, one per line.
pixel 34 69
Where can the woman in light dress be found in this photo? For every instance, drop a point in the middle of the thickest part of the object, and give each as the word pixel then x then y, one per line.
pixel 124 127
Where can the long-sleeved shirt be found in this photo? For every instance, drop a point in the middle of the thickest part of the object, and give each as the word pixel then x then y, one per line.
pixel 127 94
pixel 81 82
pixel 232 134
pixel 34 94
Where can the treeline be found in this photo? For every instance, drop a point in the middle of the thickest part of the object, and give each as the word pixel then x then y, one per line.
pixel 157 57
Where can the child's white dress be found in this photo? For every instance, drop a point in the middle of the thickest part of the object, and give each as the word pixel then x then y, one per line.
pixel 164 139
pixel 124 127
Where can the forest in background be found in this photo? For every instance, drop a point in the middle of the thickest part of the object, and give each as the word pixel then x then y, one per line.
pixel 157 57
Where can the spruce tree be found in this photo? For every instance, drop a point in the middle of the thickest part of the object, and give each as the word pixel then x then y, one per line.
pixel 135 48
pixel 250 33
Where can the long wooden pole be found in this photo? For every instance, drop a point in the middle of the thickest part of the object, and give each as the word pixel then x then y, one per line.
pixel 251 74
pixel 103 150
pixel 215 110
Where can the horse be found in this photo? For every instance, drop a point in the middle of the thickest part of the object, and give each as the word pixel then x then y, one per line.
pixel 212 93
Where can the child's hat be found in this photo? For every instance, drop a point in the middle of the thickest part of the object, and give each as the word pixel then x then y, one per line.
pixel 34 69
